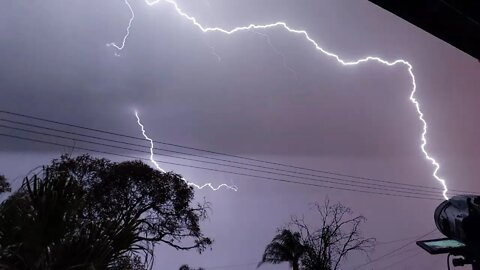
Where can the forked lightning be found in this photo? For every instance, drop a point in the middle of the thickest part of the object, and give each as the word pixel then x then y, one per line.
pixel 314 43
pixel 152 159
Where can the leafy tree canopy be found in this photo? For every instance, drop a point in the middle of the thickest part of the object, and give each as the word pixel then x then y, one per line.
pixel 4 185
pixel 90 213
pixel 286 246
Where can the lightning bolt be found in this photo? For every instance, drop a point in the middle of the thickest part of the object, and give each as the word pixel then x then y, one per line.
pixel 125 37
pixel 315 44
pixel 209 185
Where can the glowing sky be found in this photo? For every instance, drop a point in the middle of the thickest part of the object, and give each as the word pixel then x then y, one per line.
pixel 239 95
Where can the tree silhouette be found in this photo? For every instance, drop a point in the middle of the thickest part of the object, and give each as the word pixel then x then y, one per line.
pixel 89 213
pixel 321 248
pixel 186 267
pixel 337 236
pixel 285 247
pixel 4 185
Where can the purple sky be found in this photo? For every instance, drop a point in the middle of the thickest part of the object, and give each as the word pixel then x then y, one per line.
pixel 356 120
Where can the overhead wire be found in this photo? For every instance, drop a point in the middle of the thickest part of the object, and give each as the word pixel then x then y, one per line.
pixel 322 179
pixel 385 267
pixel 393 251
pixel 403 260
pixel 223 154
pixel 395 241
pixel 203 157
pixel 403 195
pixel 216 170
pixel 400 185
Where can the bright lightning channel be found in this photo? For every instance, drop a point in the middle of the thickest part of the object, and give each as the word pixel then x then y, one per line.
pixel 125 37
pixel 209 185
pixel 306 36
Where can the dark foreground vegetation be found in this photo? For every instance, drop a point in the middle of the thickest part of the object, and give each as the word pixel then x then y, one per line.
pixel 89 213
pixel 321 247
pixel 86 213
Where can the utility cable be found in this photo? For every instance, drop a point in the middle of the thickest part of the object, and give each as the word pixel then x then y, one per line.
pixel 212 158
pixel 219 153
pixel 222 171
pixel 324 179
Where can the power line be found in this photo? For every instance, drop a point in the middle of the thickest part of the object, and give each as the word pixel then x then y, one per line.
pixel 323 178
pixel 386 267
pixel 398 240
pixel 222 154
pixel 219 164
pixel 392 251
pixel 217 159
pixel 395 241
pixel 210 158
pixel 223 171
pixel 401 261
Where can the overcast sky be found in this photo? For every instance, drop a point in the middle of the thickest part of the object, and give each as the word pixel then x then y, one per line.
pixel 266 95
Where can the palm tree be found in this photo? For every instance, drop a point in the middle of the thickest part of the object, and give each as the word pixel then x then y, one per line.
pixel 40 229
pixel 285 247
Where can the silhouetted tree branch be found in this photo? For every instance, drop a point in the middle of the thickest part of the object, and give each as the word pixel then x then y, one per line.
pixel 4 185
pixel 89 213
pixel 319 248
pixel 337 236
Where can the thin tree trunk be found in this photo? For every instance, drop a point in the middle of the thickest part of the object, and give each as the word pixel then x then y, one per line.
pixel 295 266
